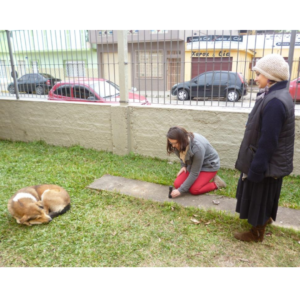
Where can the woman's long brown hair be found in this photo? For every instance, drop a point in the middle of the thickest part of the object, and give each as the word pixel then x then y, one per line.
pixel 181 136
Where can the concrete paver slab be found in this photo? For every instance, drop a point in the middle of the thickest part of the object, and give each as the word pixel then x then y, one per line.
pixel 286 217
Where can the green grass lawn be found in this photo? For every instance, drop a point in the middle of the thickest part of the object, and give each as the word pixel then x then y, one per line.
pixel 105 229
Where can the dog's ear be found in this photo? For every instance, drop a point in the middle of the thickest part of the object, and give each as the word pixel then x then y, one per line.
pixel 24 220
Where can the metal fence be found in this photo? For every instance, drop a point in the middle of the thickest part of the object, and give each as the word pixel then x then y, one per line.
pixel 192 67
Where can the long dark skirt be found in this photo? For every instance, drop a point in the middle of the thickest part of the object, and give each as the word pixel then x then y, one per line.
pixel 257 202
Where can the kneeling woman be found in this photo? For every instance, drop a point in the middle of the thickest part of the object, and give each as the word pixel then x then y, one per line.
pixel 200 162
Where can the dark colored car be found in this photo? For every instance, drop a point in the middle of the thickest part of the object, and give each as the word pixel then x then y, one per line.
pixel 96 90
pixel 225 84
pixel 40 83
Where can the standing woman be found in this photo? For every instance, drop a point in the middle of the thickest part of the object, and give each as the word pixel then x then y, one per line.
pixel 199 162
pixel 266 152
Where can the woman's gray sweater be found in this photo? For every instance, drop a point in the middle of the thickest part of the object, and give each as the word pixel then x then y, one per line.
pixel 201 156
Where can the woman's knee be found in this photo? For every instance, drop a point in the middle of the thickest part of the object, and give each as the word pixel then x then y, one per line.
pixel 177 183
pixel 194 191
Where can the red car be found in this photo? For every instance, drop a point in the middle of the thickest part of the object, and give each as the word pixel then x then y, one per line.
pixel 96 90
pixel 295 89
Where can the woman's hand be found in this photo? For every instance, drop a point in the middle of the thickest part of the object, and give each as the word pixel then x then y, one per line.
pixel 175 193
pixel 183 169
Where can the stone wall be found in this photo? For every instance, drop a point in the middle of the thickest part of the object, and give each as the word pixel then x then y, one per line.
pixel 121 129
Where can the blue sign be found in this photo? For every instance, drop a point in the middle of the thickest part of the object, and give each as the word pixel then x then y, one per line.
pixel 215 38
pixel 287 44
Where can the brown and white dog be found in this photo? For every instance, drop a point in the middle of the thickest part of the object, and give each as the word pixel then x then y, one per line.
pixel 38 204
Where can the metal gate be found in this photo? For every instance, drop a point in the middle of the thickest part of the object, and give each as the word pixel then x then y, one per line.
pixel 157 60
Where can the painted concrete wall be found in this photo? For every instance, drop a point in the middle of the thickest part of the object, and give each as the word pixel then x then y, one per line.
pixel 121 129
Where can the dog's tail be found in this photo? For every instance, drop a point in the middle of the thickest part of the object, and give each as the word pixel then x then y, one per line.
pixel 57 213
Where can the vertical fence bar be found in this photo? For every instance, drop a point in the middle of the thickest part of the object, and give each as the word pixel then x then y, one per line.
pixel 12 65
pixel 158 66
pixel 113 59
pixel 219 89
pixel 183 61
pixel 151 66
pixel 291 55
pixel 108 59
pixel 145 62
pixel 164 70
pixel 244 73
pixel 228 75
pixel 123 65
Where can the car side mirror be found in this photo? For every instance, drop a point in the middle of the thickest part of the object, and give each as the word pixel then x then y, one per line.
pixel 92 98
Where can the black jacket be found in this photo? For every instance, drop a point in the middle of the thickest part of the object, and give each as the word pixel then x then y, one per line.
pixel 267 148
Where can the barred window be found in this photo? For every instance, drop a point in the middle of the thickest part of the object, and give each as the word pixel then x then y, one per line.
pixel 149 64
pixel 75 68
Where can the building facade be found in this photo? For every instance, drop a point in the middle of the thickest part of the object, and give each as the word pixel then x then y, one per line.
pixel 157 58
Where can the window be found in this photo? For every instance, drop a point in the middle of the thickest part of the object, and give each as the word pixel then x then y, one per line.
pixel 234 78
pixel 149 64
pixel 63 91
pixel 24 78
pixel 46 75
pixel 221 78
pixel 173 52
pixel 33 77
pixel 104 89
pixel 75 68
pixel 81 92
pixel 205 79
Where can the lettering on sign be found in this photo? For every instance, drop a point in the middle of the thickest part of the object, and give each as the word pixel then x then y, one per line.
pixel 199 54
pixel 215 38
pixel 224 53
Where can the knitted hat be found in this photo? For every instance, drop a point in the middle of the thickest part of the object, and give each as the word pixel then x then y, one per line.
pixel 274 67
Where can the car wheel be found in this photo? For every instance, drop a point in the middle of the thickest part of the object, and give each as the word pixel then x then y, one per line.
pixel 182 95
pixel 232 96
pixel 11 89
pixel 39 90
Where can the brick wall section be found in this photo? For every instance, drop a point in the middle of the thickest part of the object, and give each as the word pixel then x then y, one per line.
pixel 121 129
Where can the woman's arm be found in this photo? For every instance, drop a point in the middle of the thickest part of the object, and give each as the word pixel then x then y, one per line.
pixel 198 159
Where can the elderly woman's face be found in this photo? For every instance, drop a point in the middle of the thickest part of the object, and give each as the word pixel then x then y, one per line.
pixel 261 80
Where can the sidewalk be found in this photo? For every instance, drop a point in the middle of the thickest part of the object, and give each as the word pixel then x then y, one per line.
pixel 286 217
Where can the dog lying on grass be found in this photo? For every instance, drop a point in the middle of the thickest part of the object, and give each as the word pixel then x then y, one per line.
pixel 38 204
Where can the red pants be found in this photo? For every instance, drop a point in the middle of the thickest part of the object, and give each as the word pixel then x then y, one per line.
pixel 201 185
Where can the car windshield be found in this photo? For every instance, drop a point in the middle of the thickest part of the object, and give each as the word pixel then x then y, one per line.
pixel 46 75
pixel 104 89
